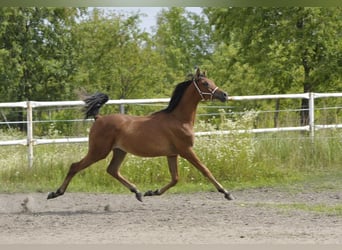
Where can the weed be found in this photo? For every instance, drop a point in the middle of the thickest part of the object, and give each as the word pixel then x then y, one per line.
pixel 237 160
pixel 333 210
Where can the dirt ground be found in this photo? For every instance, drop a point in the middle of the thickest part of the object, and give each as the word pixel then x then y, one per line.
pixel 169 219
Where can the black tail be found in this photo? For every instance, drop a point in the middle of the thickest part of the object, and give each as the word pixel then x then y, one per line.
pixel 93 103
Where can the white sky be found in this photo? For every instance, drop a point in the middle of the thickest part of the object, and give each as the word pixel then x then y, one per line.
pixel 150 19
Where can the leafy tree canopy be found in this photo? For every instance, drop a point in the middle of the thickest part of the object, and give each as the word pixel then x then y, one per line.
pixel 36 52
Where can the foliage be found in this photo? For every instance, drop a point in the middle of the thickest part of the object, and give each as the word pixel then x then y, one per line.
pixel 53 161
pixel 183 40
pixel 284 49
pixel 47 53
pixel 285 46
pixel 36 53
pixel 237 160
pixel 115 57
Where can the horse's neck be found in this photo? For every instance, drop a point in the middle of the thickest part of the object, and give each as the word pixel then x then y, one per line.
pixel 186 109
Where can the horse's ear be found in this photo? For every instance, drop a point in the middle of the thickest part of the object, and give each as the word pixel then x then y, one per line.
pixel 197 74
pixel 204 73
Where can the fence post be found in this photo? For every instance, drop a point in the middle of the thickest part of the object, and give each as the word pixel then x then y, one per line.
pixel 122 108
pixel 29 134
pixel 312 114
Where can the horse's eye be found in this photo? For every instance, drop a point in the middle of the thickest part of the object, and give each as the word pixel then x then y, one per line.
pixel 206 84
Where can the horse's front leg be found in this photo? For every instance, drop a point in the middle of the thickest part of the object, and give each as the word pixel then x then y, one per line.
pixel 173 168
pixel 192 158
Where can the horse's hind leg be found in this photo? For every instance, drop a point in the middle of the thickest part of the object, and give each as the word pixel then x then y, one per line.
pixel 94 155
pixel 74 169
pixel 101 141
pixel 113 170
pixel 173 168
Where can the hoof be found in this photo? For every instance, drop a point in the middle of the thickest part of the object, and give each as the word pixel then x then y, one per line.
pixel 138 195
pixel 52 195
pixel 229 196
pixel 152 193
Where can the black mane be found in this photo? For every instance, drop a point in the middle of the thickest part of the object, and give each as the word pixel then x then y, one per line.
pixel 176 96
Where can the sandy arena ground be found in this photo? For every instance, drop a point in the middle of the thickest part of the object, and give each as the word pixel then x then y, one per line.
pixel 169 219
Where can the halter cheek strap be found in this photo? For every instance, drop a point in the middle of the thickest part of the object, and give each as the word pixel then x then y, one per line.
pixel 201 93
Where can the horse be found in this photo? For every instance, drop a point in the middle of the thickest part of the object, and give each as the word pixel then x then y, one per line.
pixel 168 132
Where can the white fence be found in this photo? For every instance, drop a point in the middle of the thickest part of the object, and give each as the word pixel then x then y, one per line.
pixel 30 141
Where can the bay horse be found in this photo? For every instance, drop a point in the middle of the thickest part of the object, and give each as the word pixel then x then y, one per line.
pixel 168 132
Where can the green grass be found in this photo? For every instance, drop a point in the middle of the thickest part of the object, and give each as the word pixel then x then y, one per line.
pixel 335 210
pixel 328 180
pixel 332 209
pixel 238 161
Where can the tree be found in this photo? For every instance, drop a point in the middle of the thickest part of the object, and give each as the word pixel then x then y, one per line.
pixel 183 40
pixel 116 57
pixel 36 52
pixel 288 48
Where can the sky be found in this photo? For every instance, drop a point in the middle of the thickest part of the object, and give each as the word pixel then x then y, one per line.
pixel 150 19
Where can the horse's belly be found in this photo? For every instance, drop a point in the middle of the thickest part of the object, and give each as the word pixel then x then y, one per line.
pixel 147 147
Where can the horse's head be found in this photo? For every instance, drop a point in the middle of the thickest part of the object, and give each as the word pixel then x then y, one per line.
pixel 207 88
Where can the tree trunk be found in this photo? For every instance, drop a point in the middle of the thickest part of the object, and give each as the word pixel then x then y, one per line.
pixel 304 113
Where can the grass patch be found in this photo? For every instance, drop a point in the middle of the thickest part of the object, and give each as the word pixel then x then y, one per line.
pixel 332 210
pixel 266 166
pixel 237 160
pixel 335 210
pixel 316 181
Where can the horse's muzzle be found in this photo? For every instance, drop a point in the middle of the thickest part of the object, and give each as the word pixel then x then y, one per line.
pixel 221 95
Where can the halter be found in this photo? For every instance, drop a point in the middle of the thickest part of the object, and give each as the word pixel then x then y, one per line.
pixel 201 93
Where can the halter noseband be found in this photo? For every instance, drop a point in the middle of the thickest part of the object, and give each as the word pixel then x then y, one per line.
pixel 201 93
